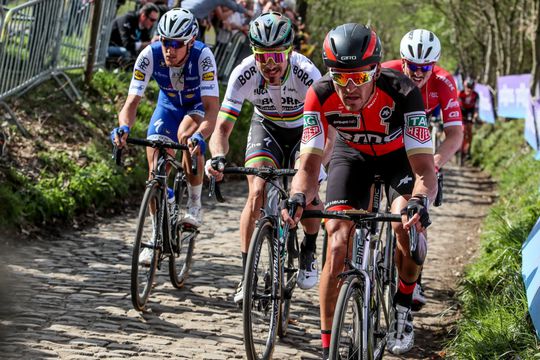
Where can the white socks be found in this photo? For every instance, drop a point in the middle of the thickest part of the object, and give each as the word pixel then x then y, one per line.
pixel 194 195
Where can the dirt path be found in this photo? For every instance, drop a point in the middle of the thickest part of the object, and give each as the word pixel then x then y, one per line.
pixel 68 297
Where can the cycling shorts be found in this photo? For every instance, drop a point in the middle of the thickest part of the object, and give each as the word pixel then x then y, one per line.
pixel 351 176
pixel 468 115
pixel 270 142
pixel 166 120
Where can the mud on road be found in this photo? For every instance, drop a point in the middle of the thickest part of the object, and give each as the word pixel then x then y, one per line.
pixel 68 297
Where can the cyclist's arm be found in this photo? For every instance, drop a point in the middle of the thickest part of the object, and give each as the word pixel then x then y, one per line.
pixel 211 108
pixel 452 142
pixel 209 91
pixel 451 111
pixel 424 172
pixel 219 142
pixel 127 115
pixel 329 146
pixel 306 180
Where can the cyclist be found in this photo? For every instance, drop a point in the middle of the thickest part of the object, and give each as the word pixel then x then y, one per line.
pixel 420 50
pixel 275 80
pixel 468 100
pixel 381 128
pixel 188 100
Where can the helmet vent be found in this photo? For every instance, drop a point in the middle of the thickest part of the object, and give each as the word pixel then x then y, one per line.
pixel 428 51
pixel 411 51
pixel 431 36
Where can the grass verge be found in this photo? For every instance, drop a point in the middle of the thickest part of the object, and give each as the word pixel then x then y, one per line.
pixel 495 322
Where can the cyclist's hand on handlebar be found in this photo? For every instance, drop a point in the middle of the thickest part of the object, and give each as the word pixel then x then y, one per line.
pixel 119 136
pixel 214 167
pixel 196 142
pixel 296 203
pixel 416 213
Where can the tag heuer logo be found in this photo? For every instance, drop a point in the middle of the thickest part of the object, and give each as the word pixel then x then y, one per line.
pixel 310 120
pixel 418 119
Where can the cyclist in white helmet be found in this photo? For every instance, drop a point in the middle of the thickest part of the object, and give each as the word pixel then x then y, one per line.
pixel 275 79
pixel 188 100
pixel 420 50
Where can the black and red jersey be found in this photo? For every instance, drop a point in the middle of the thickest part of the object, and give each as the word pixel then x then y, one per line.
pixel 393 118
pixel 468 102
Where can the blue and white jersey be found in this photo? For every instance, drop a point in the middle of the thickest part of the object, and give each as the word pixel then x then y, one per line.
pixel 179 86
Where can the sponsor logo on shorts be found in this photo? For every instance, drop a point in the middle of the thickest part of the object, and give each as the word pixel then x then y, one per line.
pixel 208 76
pixel 139 75
pixel 417 126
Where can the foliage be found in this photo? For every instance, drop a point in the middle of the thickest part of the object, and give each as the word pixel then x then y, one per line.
pixel 495 322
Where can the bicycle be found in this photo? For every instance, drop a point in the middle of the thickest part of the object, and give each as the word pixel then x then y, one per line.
pixel 437 131
pixel 158 228
pixel 364 311
pixel 271 267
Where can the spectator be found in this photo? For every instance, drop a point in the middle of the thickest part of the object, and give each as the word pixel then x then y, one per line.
pixel 132 32
pixel 203 8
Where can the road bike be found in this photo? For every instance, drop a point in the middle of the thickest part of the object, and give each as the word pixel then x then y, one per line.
pixel 271 267
pixel 364 310
pixel 158 227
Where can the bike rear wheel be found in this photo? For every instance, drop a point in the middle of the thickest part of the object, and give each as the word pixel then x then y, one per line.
pixel 261 303
pixel 290 275
pixel 183 238
pixel 148 238
pixel 346 339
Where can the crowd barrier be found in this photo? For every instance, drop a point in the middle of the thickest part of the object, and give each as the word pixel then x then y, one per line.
pixel 41 39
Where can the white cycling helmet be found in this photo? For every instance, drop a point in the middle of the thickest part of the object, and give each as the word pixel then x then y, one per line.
pixel 420 47
pixel 179 24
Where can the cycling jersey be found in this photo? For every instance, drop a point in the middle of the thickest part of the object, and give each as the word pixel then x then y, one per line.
pixel 470 101
pixel 393 118
pixel 283 105
pixel 181 88
pixel 441 90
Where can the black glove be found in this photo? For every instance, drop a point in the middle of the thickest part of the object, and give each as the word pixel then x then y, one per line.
pixel 418 204
pixel 218 163
pixel 295 201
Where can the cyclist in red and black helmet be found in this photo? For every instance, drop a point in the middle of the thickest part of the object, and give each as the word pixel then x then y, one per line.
pixel 381 129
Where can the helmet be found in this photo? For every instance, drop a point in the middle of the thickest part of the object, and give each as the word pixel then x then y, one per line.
pixel 469 83
pixel 178 24
pixel 420 47
pixel 271 30
pixel 351 46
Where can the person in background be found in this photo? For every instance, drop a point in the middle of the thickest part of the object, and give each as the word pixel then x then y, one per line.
pixel 468 100
pixel 132 32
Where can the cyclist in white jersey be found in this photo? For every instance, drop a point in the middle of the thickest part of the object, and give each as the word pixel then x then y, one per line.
pixel 188 101
pixel 275 80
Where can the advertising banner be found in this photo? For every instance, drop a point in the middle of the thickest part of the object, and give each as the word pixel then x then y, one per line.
pixel 532 126
pixel 530 271
pixel 485 105
pixel 513 95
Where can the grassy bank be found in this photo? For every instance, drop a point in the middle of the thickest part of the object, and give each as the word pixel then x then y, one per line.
pixel 64 172
pixel 495 322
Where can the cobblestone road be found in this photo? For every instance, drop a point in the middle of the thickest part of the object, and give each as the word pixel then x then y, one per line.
pixel 68 297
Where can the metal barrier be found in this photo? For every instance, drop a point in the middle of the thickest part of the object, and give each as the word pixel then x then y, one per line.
pixel 227 53
pixel 41 38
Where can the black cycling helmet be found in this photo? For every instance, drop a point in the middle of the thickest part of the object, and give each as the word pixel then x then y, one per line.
pixel 271 30
pixel 351 46
pixel 469 83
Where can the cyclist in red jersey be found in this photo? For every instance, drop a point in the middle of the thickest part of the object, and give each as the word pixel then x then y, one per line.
pixel 420 50
pixel 468 100
pixel 381 129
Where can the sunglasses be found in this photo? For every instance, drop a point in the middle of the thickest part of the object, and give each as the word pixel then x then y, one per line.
pixel 424 68
pixel 358 78
pixel 172 43
pixel 277 57
pixel 152 19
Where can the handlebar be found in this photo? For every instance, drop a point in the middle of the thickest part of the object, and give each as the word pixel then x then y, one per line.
pixel 265 172
pixel 156 144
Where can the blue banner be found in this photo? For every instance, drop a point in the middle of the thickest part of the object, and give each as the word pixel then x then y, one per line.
pixel 532 126
pixel 513 95
pixel 530 270
pixel 485 106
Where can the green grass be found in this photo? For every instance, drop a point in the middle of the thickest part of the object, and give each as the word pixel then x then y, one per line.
pixel 495 322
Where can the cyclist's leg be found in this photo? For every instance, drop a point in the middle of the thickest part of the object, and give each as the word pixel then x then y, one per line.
pixel 401 180
pixel 188 126
pixel 349 182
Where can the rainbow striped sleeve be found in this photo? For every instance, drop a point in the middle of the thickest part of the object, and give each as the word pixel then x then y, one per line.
pixel 229 113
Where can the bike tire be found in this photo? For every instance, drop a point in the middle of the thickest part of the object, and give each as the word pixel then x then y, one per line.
pixel 346 337
pixel 142 276
pixel 324 243
pixel 184 237
pixel 290 275
pixel 262 286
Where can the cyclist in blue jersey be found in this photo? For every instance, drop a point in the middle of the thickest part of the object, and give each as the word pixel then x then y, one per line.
pixel 188 101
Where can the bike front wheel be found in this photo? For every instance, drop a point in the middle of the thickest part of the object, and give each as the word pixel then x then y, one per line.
pixel 289 277
pixel 146 249
pixel 261 303
pixel 346 341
